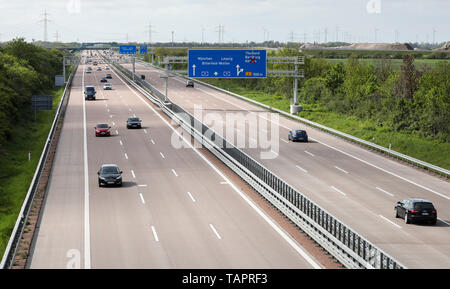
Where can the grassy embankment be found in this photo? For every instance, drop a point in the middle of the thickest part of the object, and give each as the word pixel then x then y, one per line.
pixel 428 150
pixel 16 172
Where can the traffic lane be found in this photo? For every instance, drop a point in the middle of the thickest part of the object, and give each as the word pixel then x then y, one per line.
pixel 120 229
pixel 58 242
pixel 187 168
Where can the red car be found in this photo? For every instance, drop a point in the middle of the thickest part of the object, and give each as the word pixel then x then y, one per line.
pixel 102 129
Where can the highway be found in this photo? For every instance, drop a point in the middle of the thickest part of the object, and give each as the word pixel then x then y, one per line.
pixel 357 186
pixel 174 210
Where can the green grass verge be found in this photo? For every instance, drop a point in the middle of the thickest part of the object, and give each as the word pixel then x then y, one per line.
pixel 16 172
pixel 427 150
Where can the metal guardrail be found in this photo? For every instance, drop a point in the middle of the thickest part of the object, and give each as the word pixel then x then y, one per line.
pixel 421 164
pixel 16 235
pixel 351 249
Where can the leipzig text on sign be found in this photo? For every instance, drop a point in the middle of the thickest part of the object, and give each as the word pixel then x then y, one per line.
pixel 204 63
pixel 127 49
pixel 143 49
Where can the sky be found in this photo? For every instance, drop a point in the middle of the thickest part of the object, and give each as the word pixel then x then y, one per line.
pixel 242 20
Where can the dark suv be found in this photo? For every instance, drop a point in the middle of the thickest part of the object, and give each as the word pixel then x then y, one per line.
pixel 298 135
pixel 89 93
pixel 109 175
pixel 412 210
pixel 134 122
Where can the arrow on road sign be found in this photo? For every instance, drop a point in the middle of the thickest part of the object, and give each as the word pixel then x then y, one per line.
pixel 193 69
pixel 239 70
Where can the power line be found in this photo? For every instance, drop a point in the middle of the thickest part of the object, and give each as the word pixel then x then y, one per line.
pixel 46 21
pixel 150 31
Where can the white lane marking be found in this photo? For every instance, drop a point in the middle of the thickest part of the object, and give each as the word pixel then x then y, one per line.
pixel 309 153
pixel 117 133
pixel 153 142
pixel 302 169
pixel 121 143
pixel 87 233
pixel 132 172
pixel 129 109
pixel 154 234
pixel 142 198
pixel 174 172
pixel 215 231
pixel 110 116
pixel 142 185
pixel 284 140
pixel 339 191
pixel 224 183
pixel 145 130
pixel 448 224
pixel 126 156
pixel 274 226
pixel 380 189
pixel 134 114
pixel 162 155
pixel 274 152
pixel 113 123
pixel 341 169
pixel 108 109
pixel 190 195
pixel 390 221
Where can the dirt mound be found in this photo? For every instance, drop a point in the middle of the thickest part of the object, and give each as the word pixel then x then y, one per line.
pixel 446 46
pixel 311 46
pixel 379 46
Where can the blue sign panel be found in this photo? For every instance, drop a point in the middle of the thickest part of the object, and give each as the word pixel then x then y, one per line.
pixel 207 63
pixel 143 49
pixel 127 49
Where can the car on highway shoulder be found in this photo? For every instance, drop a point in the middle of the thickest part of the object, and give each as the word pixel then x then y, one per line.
pixel 298 135
pixel 415 210
pixel 103 79
pixel 102 129
pixel 109 175
pixel 107 86
pixel 189 83
pixel 134 122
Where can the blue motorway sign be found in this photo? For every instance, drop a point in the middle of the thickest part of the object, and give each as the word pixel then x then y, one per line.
pixel 127 49
pixel 208 63
pixel 143 49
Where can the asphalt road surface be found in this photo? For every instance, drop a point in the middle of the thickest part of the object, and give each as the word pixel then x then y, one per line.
pixel 174 210
pixel 355 185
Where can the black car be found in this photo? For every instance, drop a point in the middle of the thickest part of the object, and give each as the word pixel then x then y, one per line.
pixel 189 83
pixel 109 175
pixel 134 122
pixel 89 92
pixel 108 76
pixel 103 80
pixel 412 210
pixel 298 135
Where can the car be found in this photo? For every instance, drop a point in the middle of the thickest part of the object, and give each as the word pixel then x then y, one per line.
pixel 102 129
pixel 89 92
pixel 134 122
pixel 88 71
pixel 298 135
pixel 189 83
pixel 106 67
pixel 414 209
pixel 108 76
pixel 99 68
pixel 107 86
pixel 95 63
pixel 109 174
pixel 103 79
